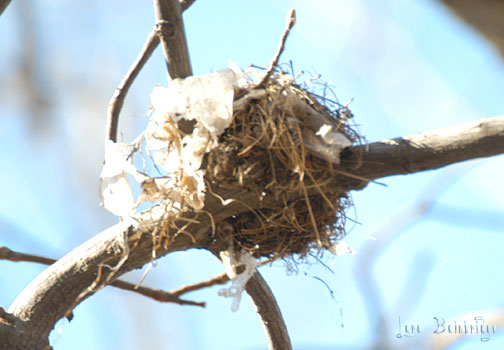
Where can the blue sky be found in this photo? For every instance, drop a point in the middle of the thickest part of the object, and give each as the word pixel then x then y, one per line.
pixel 410 66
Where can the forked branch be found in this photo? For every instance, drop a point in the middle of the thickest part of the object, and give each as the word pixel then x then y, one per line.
pixel 156 294
pixel 117 100
pixel 41 304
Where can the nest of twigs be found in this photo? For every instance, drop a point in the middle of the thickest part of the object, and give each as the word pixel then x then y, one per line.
pixel 272 148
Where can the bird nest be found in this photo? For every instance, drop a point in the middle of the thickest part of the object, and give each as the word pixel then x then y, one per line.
pixel 225 131
pixel 284 143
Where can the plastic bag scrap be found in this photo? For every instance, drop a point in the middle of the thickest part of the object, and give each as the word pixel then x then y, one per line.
pixel 238 281
pixel 340 248
pixel 115 190
pixel 321 137
pixel 206 99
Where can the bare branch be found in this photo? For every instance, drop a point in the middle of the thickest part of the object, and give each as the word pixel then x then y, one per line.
pixel 156 294
pixel 429 150
pixel 3 5
pixel 291 20
pixel 185 4
pixel 50 295
pixel 116 102
pixel 484 15
pixel 10 255
pixel 219 279
pixel 170 28
pixel 385 235
pixel 268 310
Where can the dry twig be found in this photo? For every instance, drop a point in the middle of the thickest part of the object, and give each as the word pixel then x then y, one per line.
pixel 219 279
pixel 156 294
pixel 291 20
pixel 116 102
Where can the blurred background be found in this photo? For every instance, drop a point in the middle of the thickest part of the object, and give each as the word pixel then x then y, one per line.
pixel 427 245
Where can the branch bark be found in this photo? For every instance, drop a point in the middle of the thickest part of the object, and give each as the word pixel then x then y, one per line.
pixel 170 29
pixel 117 100
pixel 53 294
pixel 268 310
pixel 3 5
pixel 484 16
pixel 427 151
pixel 156 294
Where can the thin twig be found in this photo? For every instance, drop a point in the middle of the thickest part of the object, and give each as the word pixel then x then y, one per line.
pixel 156 294
pixel 116 102
pixel 291 20
pixel 219 279
pixel 10 255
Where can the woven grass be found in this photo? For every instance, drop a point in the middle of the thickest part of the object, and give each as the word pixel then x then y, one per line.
pixel 271 149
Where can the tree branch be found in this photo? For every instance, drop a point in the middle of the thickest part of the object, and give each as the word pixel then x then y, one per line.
pixel 10 255
pixel 170 29
pixel 117 101
pixel 219 279
pixel 268 310
pixel 368 286
pixel 291 20
pixel 3 5
pixel 484 16
pixel 156 294
pixel 54 292
pixel 185 4
pixel 427 151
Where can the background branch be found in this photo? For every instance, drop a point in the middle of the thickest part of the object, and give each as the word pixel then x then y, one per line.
pixel 483 15
pixel 370 252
